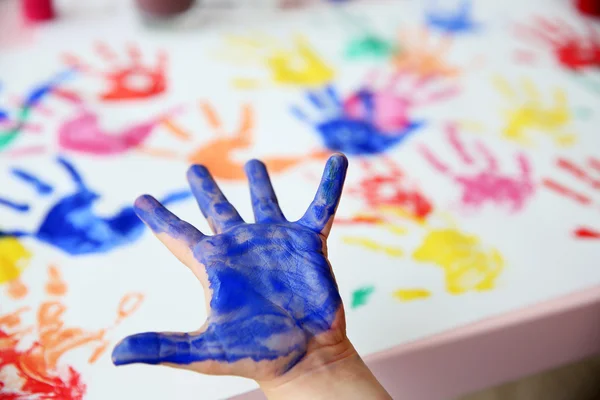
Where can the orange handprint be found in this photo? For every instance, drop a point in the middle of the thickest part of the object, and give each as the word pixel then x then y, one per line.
pixel 420 55
pixel 132 80
pixel 218 154
pixel 38 366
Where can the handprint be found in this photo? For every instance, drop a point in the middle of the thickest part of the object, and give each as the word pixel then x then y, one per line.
pixel 13 124
pixel 571 49
pixel 365 42
pixel 582 175
pixel 132 80
pixel 296 65
pixel 467 264
pixel 390 189
pixel 38 365
pixel 487 184
pixel 373 119
pixel 218 153
pixel 83 133
pixel 273 297
pixel 72 225
pixel 531 113
pixel 421 56
pixel 14 257
pixel 458 20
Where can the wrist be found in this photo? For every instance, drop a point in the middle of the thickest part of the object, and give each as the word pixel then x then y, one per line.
pixel 332 372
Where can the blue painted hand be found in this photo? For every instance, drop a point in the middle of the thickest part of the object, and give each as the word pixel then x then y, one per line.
pixel 271 294
pixel 72 224
pixel 459 20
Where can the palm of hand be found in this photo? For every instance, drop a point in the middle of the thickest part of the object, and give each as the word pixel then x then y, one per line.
pixel 272 291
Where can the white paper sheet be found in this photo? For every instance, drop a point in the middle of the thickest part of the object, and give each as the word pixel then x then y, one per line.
pixel 525 250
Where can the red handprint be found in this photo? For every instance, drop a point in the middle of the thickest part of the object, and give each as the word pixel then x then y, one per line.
pixel 570 48
pixel 487 185
pixel 130 81
pixel 585 177
pixel 390 189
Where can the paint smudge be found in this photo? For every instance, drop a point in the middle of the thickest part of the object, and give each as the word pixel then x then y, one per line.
pixel 14 258
pixel 361 296
pixel 129 79
pixel 588 175
pixel 219 153
pixel 487 184
pixel 371 120
pixel 38 365
pixel 467 264
pixel 248 268
pixel 571 49
pixel 408 295
pixel 73 226
pixel 11 126
pixel 530 113
pixel 373 245
pixel 390 188
pixel 587 233
pixel 451 21
pixel 424 56
pixel 297 64
pixel 365 42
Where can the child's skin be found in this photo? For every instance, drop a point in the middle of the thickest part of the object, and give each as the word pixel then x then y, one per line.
pixel 274 311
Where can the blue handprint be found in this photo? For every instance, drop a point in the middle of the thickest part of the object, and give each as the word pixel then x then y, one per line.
pixel 32 98
pixel 72 225
pixel 271 287
pixel 355 134
pixel 459 20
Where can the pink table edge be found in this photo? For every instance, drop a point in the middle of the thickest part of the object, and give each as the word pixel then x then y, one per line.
pixel 490 352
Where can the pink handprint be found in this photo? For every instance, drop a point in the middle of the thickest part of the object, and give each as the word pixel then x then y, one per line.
pixel 394 97
pixel 487 185
pixel 83 133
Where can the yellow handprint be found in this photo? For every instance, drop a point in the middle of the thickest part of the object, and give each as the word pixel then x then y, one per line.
pixel 530 112
pixel 467 264
pixel 296 65
pixel 13 259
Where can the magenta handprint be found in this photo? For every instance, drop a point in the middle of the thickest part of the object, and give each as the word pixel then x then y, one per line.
pixel 485 183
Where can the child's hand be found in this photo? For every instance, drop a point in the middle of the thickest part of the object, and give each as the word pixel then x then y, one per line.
pixel 271 295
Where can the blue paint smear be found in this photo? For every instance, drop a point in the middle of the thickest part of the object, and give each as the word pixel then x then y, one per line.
pixel 459 20
pixel 343 133
pixel 73 226
pixel 32 98
pixel 272 287
pixel 40 186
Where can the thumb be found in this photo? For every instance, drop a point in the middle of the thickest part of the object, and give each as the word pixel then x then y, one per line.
pixel 158 348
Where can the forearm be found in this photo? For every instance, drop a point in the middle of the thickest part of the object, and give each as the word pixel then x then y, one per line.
pixel 329 376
